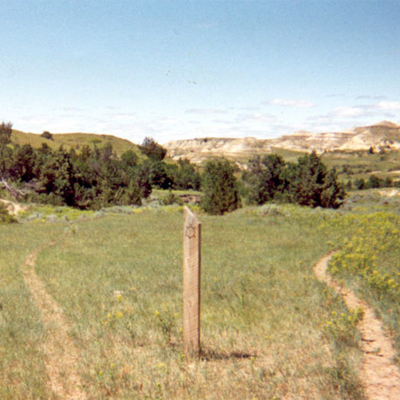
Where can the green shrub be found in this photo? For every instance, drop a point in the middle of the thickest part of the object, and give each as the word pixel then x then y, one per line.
pixel 47 135
pixel 5 216
pixel 220 188
pixel 171 198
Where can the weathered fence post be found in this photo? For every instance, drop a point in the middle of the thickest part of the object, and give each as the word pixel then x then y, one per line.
pixel 191 283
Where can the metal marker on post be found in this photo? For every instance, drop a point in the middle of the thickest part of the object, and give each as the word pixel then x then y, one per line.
pixel 191 283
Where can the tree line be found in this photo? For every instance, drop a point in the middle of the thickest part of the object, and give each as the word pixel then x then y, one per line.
pixel 92 178
pixel 95 177
pixel 307 182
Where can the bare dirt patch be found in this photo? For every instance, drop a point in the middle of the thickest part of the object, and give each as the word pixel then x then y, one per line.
pixel 62 357
pixel 13 207
pixel 379 374
pixel 389 193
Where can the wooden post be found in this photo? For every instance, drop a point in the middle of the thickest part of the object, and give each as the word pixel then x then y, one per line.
pixel 191 283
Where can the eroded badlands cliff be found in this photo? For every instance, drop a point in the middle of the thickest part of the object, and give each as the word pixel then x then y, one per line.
pixel 383 135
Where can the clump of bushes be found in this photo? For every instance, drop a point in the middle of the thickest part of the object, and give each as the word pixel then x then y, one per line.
pixel 90 177
pixel 308 182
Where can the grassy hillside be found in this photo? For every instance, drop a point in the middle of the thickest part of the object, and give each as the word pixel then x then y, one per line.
pixel 75 140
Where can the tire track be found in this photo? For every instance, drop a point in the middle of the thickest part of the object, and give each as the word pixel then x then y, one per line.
pixel 379 374
pixel 62 356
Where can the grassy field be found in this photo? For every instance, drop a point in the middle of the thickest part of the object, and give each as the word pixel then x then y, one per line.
pixel 118 280
pixel 360 164
pixel 269 328
pixel 22 369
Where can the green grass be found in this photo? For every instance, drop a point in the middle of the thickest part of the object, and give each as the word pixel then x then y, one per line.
pixel 360 164
pixel 372 200
pixel 266 322
pixel 22 371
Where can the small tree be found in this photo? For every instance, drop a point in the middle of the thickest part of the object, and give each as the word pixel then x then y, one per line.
pixel 310 183
pixel 5 150
pixel 333 192
pixel 220 188
pixel 5 134
pixel 129 159
pixel 159 175
pixel 374 182
pixel 152 149
pixel 266 177
pixel 184 175
pixel 47 135
pixel 57 177
pixel 360 184
pixel 24 159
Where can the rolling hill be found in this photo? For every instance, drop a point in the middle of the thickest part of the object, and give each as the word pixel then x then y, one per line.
pixel 74 140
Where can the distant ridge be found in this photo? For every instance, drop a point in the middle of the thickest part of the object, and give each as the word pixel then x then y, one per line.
pixel 384 135
pixel 388 124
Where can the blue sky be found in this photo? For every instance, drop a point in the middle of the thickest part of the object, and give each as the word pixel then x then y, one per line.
pixel 178 69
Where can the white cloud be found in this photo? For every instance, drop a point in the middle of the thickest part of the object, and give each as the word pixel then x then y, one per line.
pixel 246 109
pixel 349 112
pixel 255 117
pixel 206 111
pixel 361 112
pixel 388 105
pixel 362 97
pixel 292 103
pixel 124 117
pixel 335 95
pixel 238 121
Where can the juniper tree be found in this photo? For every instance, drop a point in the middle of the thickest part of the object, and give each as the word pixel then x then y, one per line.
pixel 220 187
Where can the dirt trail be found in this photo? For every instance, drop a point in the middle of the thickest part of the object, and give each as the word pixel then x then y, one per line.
pixel 380 376
pixel 62 357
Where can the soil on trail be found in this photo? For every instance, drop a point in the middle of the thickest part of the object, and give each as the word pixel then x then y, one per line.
pixel 379 374
pixel 62 357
